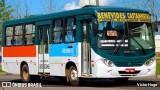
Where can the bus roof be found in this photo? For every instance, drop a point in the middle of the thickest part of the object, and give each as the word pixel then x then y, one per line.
pixel 89 9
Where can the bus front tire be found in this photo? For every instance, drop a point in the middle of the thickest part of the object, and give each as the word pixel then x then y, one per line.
pixel 72 77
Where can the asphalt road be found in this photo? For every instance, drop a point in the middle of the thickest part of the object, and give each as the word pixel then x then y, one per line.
pixel 145 83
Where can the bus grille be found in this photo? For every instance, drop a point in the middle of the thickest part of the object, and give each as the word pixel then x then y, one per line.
pixel 123 73
pixel 128 64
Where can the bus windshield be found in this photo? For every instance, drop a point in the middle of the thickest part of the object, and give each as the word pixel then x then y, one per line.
pixel 125 35
pixel 141 33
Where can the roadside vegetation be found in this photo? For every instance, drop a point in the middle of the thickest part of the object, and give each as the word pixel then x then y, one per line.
pixel 158 63
pixel 158 68
pixel 1 70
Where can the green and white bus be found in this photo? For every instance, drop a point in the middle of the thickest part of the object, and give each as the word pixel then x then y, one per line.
pixel 90 42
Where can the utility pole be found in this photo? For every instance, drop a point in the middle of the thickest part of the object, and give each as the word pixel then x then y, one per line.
pixel 152 10
pixel 97 2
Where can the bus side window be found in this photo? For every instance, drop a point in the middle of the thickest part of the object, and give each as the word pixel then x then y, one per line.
pixel 70 30
pixel 18 35
pixel 29 34
pixel 57 31
pixel 9 36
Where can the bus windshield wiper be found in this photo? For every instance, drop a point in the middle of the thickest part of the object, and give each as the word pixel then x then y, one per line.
pixel 119 44
pixel 143 50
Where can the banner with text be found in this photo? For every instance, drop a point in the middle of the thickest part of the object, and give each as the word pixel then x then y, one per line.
pixel 123 17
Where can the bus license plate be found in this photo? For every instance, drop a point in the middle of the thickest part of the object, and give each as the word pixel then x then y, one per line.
pixel 130 70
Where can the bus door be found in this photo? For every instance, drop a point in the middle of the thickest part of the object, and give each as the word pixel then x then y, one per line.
pixel 43 55
pixel 86 52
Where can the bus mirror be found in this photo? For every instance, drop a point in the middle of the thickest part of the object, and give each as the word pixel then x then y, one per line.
pixel 95 26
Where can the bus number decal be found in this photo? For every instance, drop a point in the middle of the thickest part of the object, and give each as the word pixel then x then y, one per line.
pixel 63 50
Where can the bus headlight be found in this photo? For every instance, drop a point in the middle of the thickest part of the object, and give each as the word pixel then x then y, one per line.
pixel 107 62
pixel 149 62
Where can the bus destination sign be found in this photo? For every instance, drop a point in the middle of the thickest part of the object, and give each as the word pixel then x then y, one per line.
pixel 123 17
pixel 108 44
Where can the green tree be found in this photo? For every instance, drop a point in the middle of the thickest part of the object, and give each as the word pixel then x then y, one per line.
pixel 5 13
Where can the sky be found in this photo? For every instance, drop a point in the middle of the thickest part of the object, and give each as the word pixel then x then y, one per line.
pixel 40 6
pixel 36 6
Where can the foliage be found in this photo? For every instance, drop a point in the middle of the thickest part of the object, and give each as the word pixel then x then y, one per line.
pixel 5 12
pixel 158 68
pixel 1 69
pixel 158 63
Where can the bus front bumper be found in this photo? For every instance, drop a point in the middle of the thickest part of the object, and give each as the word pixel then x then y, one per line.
pixel 102 71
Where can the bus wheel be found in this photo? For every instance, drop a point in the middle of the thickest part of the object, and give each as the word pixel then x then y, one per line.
pixel 121 80
pixel 25 74
pixel 73 76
